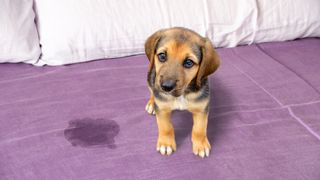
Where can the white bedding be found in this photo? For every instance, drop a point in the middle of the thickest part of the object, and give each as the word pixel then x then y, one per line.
pixel 18 34
pixel 281 20
pixel 74 31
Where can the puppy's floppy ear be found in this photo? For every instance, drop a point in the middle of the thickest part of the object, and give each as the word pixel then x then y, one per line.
pixel 209 63
pixel 150 47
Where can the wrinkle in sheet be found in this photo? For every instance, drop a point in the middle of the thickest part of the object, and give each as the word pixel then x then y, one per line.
pixel 29 77
pixel 114 68
pixel 247 111
pixel 303 124
pixel 256 83
pixel 30 136
pixel 309 129
pixel 298 75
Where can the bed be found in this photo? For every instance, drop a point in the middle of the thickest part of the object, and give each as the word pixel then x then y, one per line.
pixel 87 120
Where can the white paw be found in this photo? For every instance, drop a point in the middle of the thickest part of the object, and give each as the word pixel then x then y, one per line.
pixel 165 150
pixel 203 153
pixel 150 108
pixel 201 148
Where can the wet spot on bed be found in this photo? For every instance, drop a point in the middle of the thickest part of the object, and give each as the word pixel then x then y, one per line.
pixel 92 133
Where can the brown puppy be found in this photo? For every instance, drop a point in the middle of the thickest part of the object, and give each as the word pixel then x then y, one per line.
pixel 180 61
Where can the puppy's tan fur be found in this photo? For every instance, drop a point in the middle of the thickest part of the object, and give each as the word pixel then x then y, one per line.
pixel 191 91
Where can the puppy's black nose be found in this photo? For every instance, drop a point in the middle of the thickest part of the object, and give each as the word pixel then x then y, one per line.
pixel 168 85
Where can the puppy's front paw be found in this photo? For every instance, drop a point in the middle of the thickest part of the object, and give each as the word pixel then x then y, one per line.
pixel 150 108
pixel 201 147
pixel 166 145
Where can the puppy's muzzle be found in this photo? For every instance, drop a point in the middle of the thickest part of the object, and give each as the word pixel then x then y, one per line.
pixel 168 85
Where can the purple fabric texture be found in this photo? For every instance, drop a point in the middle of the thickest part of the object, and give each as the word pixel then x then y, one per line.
pixel 87 121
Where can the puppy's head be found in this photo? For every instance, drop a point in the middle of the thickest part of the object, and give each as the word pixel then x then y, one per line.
pixel 179 56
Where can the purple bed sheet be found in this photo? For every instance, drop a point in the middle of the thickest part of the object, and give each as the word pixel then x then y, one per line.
pixel 87 121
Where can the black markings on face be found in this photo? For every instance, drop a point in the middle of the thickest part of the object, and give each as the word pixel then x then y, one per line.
pixel 203 90
pixel 197 51
pixel 158 95
pixel 161 43
pixel 192 87
pixel 181 37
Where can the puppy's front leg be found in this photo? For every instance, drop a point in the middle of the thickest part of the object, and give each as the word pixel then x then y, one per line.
pixel 150 105
pixel 200 143
pixel 166 139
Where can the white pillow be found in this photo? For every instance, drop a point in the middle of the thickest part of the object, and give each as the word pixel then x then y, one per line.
pixel 80 30
pixel 74 31
pixel 281 20
pixel 18 34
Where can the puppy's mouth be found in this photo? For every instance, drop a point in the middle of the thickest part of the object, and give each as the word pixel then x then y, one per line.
pixel 169 87
pixel 174 92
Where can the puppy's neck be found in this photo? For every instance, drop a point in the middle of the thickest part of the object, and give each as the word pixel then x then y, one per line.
pixel 180 103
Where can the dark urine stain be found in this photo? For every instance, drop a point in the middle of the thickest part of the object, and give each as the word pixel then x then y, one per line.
pixel 92 133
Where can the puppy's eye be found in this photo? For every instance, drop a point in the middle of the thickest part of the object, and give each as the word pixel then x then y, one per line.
pixel 162 57
pixel 188 63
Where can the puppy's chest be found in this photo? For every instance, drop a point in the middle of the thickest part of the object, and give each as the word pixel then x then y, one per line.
pixel 180 103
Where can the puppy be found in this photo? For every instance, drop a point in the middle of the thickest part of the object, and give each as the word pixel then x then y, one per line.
pixel 180 62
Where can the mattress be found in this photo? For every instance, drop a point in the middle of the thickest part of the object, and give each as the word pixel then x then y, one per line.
pixel 87 121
